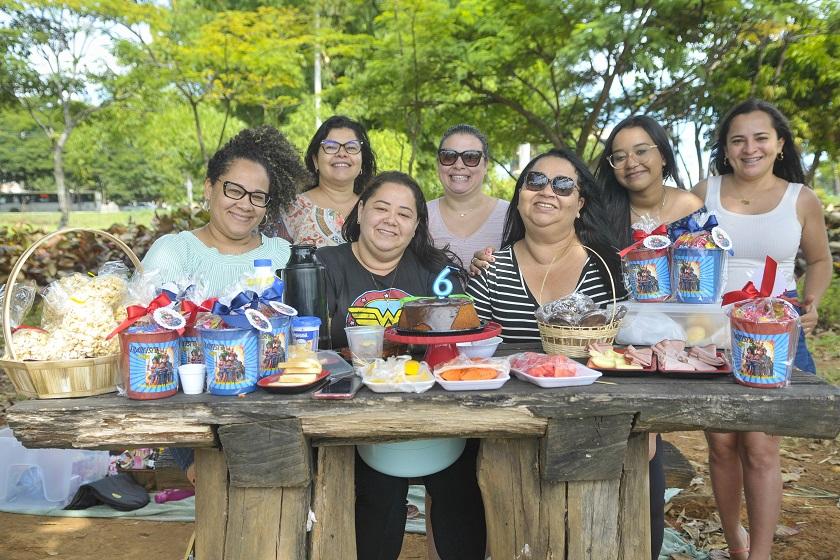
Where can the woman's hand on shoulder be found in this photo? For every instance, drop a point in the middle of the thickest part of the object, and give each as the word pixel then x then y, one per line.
pixel 481 261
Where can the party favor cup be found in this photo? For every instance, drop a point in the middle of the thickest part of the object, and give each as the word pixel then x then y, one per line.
pixel 149 362
pixel 190 347
pixel 232 360
pixel 273 345
pixel 649 274
pixel 193 377
pixel 763 353
pixel 698 274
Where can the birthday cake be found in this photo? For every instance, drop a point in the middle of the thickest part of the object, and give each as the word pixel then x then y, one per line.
pixel 438 315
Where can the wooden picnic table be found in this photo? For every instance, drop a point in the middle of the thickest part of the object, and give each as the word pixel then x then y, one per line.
pixel 563 472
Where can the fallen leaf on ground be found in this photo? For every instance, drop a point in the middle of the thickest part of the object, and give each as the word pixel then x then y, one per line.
pixel 783 531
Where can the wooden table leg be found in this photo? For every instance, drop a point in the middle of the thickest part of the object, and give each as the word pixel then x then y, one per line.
pixel 334 534
pixel 253 496
pixel 529 516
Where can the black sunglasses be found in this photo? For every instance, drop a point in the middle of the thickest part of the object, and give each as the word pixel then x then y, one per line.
pixel 471 158
pixel 236 191
pixel 560 185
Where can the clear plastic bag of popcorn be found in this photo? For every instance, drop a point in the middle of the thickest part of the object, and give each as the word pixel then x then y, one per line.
pixel 23 295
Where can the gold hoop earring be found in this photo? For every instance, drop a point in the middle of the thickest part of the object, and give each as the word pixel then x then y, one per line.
pixel 781 156
pixel 264 220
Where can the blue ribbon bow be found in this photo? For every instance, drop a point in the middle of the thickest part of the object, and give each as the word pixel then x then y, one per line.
pixel 690 225
pixel 250 299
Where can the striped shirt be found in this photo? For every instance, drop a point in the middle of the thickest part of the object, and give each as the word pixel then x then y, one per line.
pixel 180 256
pixel 502 296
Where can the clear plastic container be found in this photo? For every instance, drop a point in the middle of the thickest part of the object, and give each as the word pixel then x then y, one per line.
pixel 45 477
pixel 696 324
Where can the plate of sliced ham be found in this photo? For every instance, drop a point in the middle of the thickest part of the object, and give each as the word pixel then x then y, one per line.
pixel 621 362
pixel 675 359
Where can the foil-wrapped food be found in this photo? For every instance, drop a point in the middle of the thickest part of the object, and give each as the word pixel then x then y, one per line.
pixel 576 310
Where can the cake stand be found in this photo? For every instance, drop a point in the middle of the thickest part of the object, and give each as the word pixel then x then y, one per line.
pixel 442 347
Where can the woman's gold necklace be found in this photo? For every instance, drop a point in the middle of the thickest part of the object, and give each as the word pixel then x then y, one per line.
pixel 465 212
pixel 553 259
pixel 661 204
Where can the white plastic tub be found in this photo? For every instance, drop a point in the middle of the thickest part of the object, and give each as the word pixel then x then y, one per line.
pixel 696 324
pixel 45 477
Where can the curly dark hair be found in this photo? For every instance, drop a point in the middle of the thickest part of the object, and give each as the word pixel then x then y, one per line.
pixel 789 168
pixel 616 199
pixel 266 146
pixel 421 244
pixel 592 228
pixel 368 157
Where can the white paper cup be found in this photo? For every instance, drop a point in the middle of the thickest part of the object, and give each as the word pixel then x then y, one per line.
pixel 192 378
pixel 365 344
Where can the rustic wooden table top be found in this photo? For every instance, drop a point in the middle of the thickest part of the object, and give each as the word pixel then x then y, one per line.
pixel 810 407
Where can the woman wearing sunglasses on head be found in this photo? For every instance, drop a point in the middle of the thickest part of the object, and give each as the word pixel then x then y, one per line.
pixel 636 161
pixel 554 223
pixel 465 218
pixel 253 169
pixel 340 158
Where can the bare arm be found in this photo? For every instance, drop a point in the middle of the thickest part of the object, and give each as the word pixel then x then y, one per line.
pixel 814 245
pixel 700 190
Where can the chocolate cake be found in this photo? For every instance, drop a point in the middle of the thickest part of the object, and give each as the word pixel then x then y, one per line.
pixel 438 315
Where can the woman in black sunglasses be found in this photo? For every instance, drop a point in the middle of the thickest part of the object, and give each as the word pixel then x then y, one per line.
pixel 554 223
pixel 636 162
pixel 465 218
pixel 341 161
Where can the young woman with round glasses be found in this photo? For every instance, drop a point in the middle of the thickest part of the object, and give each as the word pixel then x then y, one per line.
pixel 636 161
pixel 465 218
pixel 253 170
pixel 554 222
pixel 342 162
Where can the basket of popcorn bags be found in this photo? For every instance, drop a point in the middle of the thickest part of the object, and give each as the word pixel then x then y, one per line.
pixel 68 356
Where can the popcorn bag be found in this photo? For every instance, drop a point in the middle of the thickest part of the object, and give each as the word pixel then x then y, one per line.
pixel 646 264
pixel 765 334
pixel 699 259
pixel 71 354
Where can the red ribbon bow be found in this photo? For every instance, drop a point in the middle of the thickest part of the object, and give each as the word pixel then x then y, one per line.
pixel 192 309
pixel 639 236
pixel 749 291
pixel 136 312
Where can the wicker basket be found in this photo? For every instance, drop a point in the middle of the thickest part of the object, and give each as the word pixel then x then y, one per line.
pixel 56 379
pixel 574 341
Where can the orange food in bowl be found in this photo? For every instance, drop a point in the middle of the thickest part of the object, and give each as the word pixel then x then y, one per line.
pixel 470 374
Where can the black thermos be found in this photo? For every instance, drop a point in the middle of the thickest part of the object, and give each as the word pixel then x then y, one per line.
pixel 305 281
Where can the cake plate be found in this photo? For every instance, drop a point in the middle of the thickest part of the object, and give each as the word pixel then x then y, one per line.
pixel 442 347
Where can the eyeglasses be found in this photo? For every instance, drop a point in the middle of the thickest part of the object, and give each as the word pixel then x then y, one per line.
pixel 332 147
pixel 471 158
pixel 236 191
pixel 560 185
pixel 640 153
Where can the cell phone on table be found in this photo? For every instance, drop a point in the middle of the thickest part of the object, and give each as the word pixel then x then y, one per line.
pixel 340 388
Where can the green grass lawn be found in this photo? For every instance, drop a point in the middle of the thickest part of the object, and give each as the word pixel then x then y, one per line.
pixel 96 220
pixel 826 349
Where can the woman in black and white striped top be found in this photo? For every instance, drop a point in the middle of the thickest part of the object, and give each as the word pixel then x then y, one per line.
pixel 554 222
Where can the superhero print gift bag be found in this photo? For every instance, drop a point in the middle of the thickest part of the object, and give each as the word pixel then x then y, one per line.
pixel 231 357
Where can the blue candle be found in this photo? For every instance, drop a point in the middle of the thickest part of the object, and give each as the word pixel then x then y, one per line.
pixel 442 286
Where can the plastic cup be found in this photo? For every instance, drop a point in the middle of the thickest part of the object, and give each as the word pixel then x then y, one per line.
pixel 192 378
pixel 365 344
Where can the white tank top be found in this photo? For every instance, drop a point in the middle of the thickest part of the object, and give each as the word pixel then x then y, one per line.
pixel 775 233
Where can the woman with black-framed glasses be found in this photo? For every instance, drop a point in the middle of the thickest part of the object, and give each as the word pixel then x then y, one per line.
pixel 255 168
pixel 341 160
pixel 465 218
pixel 554 222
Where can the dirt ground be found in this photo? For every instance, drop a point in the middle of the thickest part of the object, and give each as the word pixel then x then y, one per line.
pixel 809 528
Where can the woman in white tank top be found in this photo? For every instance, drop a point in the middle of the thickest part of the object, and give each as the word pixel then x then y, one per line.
pixel 759 200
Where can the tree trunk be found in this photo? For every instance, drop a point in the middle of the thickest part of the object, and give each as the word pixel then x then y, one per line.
pixel 698 149
pixel 58 174
pixel 812 171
